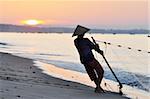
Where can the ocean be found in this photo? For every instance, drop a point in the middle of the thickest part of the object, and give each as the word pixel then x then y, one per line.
pixel 127 54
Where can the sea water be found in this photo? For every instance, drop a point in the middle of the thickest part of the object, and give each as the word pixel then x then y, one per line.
pixel 128 55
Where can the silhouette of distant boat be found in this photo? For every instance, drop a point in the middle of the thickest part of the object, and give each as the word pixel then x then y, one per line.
pixel 132 33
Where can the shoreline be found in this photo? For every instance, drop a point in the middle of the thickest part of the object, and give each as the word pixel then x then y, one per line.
pixel 19 78
pixel 82 78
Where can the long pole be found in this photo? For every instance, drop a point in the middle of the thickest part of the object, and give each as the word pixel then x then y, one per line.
pixel 120 85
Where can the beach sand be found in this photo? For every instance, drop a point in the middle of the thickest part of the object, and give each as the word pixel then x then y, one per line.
pixel 20 79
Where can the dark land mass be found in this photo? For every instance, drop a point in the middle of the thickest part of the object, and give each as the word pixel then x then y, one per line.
pixel 37 29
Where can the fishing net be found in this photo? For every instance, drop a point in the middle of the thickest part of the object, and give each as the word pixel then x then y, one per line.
pixel 128 56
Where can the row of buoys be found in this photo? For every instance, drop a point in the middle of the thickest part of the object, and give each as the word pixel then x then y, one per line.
pixel 139 50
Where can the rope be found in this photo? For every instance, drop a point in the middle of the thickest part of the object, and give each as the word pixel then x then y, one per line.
pixel 129 48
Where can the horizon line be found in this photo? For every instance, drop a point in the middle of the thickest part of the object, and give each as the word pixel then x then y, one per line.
pixel 71 26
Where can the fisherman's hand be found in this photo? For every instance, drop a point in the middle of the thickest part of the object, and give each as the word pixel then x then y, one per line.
pixel 98 49
pixel 96 46
pixel 101 52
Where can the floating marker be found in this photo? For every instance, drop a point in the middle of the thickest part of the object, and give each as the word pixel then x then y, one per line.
pixel 129 47
pixel 124 46
pixel 119 46
pixel 109 43
pixel 105 42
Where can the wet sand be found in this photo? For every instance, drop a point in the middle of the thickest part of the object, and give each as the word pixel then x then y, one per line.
pixel 20 79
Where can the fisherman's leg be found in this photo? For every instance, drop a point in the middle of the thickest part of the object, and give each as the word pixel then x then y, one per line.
pixel 100 72
pixel 96 81
pixel 92 74
pixel 98 88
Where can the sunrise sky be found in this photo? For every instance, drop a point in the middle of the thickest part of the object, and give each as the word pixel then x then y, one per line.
pixel 124 14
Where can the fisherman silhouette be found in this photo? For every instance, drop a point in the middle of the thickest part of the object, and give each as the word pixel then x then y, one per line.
pixel 85 47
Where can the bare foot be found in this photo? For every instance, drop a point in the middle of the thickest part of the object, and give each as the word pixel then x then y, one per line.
pixel 99 90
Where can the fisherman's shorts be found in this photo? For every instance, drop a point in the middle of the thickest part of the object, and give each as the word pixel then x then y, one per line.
pixel 94 69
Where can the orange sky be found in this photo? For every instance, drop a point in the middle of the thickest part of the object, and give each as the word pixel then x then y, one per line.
pixel 93 13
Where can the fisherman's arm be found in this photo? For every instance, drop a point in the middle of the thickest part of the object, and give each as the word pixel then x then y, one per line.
pixel 98 49
pixel 95 47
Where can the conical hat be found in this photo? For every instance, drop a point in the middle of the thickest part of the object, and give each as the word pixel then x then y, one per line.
pixel 80 30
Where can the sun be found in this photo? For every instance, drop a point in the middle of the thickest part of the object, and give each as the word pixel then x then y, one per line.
pixel 32 22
